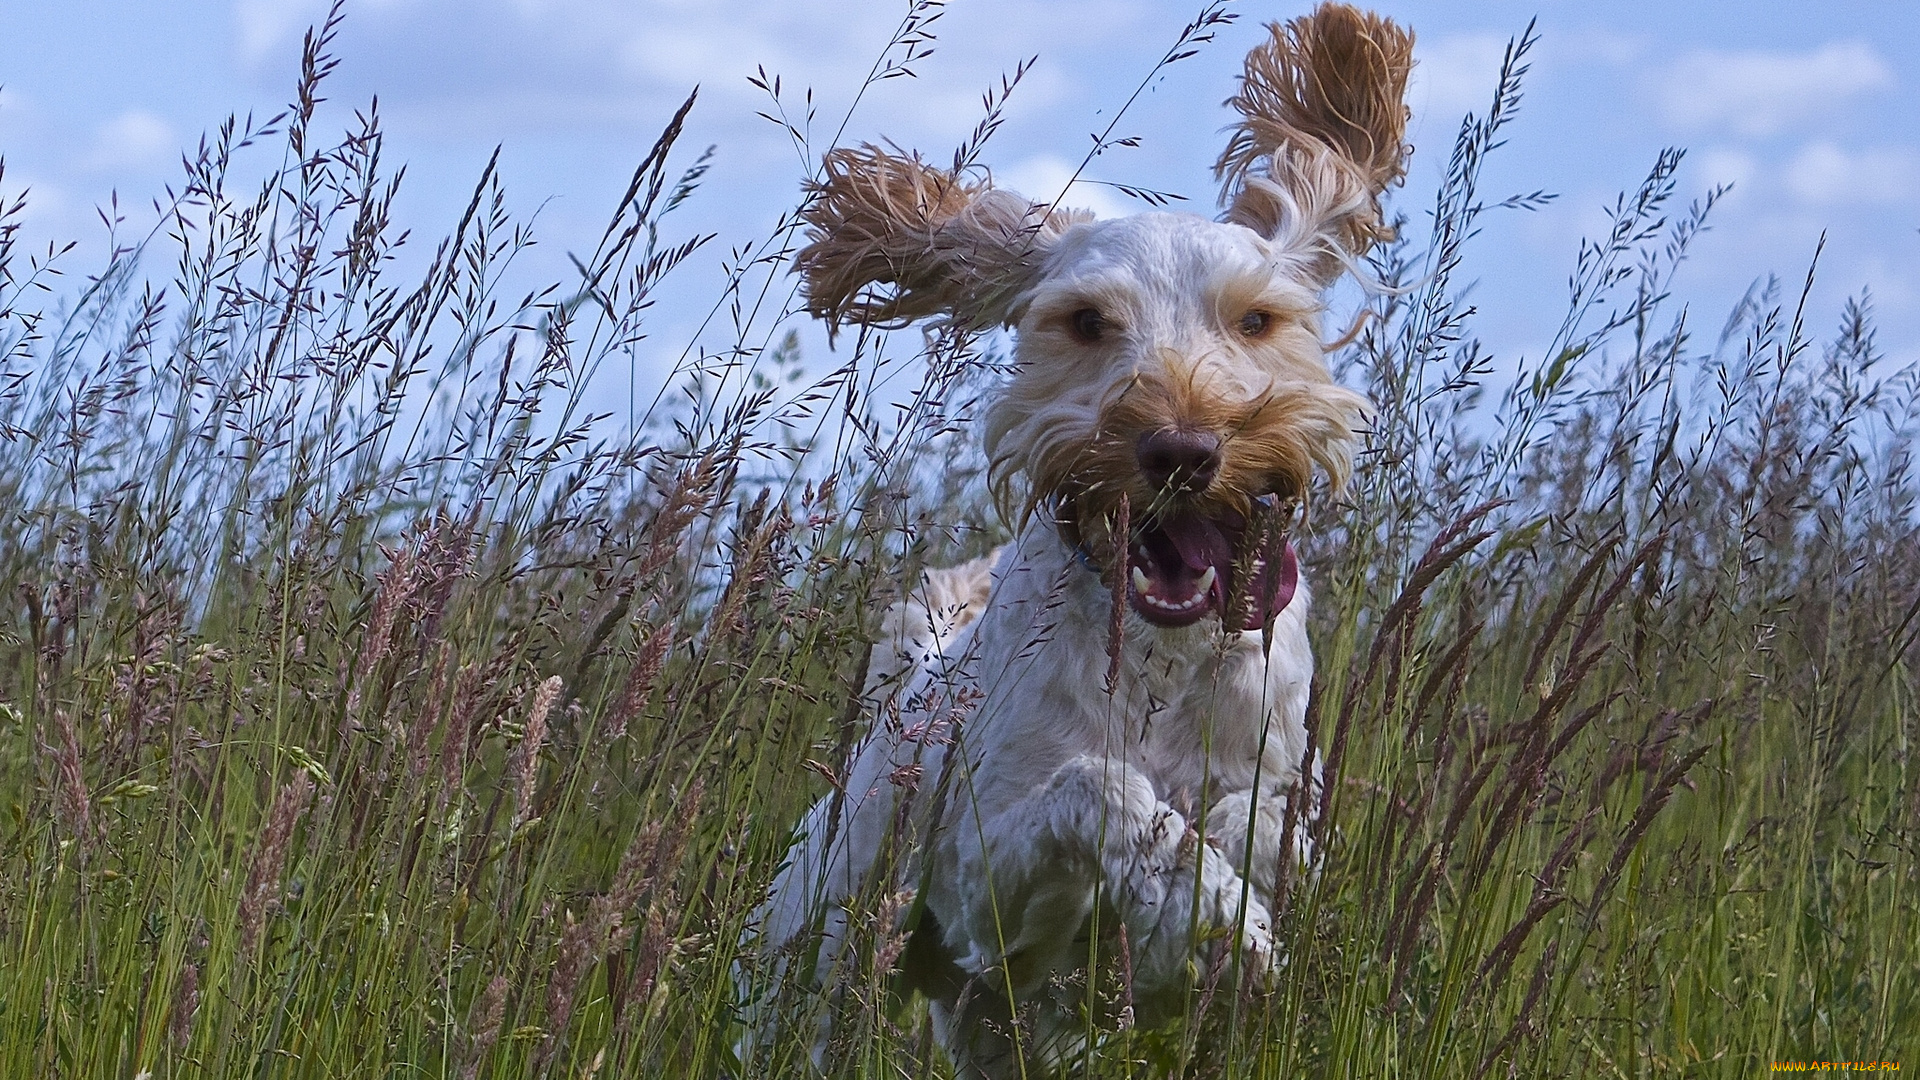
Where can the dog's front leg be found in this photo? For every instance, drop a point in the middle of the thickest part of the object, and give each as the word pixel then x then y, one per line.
pixel 1097 823
pixel 1251 829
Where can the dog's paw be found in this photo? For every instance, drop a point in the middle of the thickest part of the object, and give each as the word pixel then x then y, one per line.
pixel 1186 928
pixel 1258 956
pixel 1246 933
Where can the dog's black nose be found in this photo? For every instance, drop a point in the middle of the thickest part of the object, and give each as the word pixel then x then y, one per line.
pixel 1179 459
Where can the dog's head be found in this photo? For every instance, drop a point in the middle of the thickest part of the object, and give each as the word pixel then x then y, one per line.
pixel 1169 369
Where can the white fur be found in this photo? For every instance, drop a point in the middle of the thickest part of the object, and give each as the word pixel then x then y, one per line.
pixel 1042 801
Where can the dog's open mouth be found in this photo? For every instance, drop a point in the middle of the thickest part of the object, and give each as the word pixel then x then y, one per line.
pixel 1184 566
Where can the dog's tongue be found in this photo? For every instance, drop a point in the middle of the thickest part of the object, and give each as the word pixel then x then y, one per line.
pixel 1276 589
pixel 1200 542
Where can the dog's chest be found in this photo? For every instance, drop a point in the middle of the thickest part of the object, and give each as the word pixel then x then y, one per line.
pixel 1192 710
pixel 1189 709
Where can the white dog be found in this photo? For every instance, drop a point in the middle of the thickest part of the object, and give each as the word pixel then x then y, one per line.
pixel 1085 757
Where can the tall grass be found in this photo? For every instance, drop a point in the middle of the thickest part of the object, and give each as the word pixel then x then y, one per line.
pixel 374 707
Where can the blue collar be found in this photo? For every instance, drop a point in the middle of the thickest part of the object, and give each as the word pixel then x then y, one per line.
pixel 1086 559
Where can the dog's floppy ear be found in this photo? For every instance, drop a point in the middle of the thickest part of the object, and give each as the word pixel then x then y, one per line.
pixel 939 244
pixel 1320 135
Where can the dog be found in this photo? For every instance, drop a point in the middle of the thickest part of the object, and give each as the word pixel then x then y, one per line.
pixel 1090 749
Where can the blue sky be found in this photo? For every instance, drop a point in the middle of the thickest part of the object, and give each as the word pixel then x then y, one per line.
pixel 1810 110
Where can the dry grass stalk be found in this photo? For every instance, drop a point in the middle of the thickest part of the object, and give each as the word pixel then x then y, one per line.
pixel 889 930
pixel 685 500
pixel 397 584
pixel 1523 1021
pixel 270 857
pixel 411 598
pixel 524 768
pixel 1117 617
pixel 1301 802
pixel 638 689
pixel 471 689
pixel 1449 546
pixel 1535 744
pixel 636 996
pixel 581 945
pixel 446 557
pixel 75 804
pixel 1547 895
pixel 1569 596
pixel 659 852
pixel 1651 801
pixel 437 709
pixel 1526 771
pixel 186 1004
pixel 757 557
pixel 1221 960
pixel 484 1020
pixel 144 677
pixel 689 496
pixel 1647 554
pixel 1648 753
pixel 606 925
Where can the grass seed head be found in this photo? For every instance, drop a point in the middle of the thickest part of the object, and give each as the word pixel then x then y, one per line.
pixel 269 857
pixel 526 756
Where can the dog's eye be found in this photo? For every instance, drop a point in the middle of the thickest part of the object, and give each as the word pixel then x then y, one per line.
pixel 1256 323
pixel 1088 325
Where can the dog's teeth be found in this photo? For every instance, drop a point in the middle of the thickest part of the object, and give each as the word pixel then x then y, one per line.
pixel 1205 582
pixel 1140 582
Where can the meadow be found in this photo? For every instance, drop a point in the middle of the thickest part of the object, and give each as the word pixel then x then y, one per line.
pixel 372 704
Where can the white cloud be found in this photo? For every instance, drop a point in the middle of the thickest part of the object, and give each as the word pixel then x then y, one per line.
pixel 1895 285
pixel 1046 177
pixel 264 25
pixel 1454 75
pixel 135 139
pixel 53 214
pixel 21 117
pixel 1761 93
pixel 1727 165
pixel 1590 44
pixel 1823 174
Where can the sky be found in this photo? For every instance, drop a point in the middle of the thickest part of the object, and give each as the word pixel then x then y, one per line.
pixel 1812 112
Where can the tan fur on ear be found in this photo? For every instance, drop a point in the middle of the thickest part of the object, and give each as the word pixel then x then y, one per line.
pixel 944 245
pixel 1321 105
